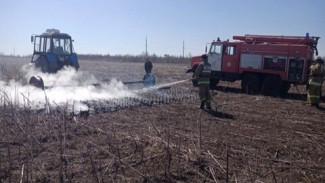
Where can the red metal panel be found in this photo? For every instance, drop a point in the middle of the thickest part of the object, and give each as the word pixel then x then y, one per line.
pixel 280 50
pixel 282 74
pixel 196 60
pixel 230 62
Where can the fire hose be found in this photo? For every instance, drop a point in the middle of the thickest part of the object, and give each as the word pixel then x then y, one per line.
pixel 148 80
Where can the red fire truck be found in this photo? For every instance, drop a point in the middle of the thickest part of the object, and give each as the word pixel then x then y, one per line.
pixel 263 63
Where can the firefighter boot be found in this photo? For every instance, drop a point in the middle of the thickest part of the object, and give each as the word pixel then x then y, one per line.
pixel 202 105
pixel 208 105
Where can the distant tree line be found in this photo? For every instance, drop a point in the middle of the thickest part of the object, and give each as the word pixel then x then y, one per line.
pixel 122 58
pixel 125 58
pixel 134 58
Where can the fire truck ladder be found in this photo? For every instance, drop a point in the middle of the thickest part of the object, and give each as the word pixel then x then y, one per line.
pixel 262 39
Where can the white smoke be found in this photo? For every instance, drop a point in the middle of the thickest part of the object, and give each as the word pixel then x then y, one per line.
pixel 66 87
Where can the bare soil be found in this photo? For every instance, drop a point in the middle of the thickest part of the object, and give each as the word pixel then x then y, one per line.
pixel 246 138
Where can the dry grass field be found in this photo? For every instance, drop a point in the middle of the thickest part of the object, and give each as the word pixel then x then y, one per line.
pixel 246 138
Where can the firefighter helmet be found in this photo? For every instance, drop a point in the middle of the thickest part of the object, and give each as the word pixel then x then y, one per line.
pixel 204 57
pixel 319 60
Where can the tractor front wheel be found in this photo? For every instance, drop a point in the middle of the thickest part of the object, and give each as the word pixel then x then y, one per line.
pixel 43 64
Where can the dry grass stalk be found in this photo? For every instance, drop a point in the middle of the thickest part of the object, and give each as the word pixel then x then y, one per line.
pixel 22 174
pixel 212 174
pixel 89 142
pixel 9 162
pixel 212 156
pixel 94 172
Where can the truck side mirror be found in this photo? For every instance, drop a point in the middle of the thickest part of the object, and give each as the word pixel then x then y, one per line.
pixel 32 39
pixel 206 49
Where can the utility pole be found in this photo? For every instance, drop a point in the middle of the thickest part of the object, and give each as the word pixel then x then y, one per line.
pixel 146 47
pixel 183 49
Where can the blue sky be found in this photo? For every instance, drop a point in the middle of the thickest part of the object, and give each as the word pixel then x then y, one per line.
pixel 121 26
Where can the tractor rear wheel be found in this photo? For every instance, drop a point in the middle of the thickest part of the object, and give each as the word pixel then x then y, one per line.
pixel 251 84
pixel 272 86
pixel 43 64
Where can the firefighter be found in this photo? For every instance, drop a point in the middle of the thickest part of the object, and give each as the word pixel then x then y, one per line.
pixel 202 74
pixel 148 79
pixel 314 85
pixel 148 66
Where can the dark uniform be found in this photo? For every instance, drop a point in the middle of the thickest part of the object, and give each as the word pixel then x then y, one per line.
pixel 148 79
pixel 148 66
pixel 202 74
pixel 314 86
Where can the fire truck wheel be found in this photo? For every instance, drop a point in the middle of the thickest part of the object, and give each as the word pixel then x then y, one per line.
pixel 272 86
pixel 195 81
pixel 251 84
pixel 285 88
pixel 214 83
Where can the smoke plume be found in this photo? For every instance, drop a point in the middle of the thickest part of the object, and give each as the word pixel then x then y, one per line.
pixel 66 87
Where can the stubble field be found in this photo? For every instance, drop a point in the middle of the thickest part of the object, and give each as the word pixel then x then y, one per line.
pixel 246 138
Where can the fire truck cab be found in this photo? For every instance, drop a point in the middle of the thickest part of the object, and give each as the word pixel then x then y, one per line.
pixel 266 64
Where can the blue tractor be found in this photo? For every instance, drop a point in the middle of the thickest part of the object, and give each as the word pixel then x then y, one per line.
pixel 53 50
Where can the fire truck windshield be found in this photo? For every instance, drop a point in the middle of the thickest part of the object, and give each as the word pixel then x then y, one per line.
pixel 215 49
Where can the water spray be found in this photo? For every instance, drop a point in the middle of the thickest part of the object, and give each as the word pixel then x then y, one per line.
pixel 84 93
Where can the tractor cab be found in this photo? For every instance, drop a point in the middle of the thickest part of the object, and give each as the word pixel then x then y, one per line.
pixel 53 50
